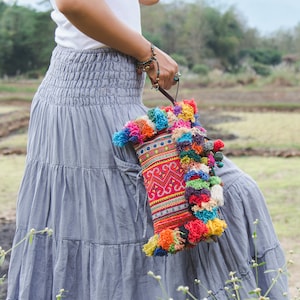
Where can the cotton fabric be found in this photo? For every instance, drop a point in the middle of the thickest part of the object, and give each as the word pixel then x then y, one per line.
pixel 67 35
pixel 91 194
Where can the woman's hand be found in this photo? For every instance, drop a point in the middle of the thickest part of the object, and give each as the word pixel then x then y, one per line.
pixel 163 71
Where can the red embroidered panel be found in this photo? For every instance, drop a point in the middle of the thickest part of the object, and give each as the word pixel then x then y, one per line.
pixel 163 179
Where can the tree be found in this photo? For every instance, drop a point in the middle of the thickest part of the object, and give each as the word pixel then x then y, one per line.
pixel 225 36
pixel 25 37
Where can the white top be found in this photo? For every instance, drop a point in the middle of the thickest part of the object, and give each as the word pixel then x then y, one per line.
pixel 69 36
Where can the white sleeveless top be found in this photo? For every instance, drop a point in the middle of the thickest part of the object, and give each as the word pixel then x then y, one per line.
pixel 67 35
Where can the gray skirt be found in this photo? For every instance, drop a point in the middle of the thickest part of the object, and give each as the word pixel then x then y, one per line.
pixel 90 193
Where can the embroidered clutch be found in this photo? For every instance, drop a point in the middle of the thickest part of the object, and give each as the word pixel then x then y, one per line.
pixel 178 162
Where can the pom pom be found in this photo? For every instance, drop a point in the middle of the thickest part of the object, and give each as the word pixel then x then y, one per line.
pixel 152 244
pixel 208 146
pixel 161 120
pixel 193 174
pixel 191 154
pixel 192 103
pixel 135 133
pixel 197 148
pixel 216 227
pixel 218 145
pixel 198 200
pixel 160 252
pixel 177 110
pixel 218 156
pixel 211 161
pixel 206 215
pixel 182 146
pixel 121 138
pixel 192 191
pixel 217 194
pixel 180 124
pixel 146 131
pixel 197 184
pixel 166 239
pixel 197 229
pixel 213 180
pixel 186 137
pixel 187 113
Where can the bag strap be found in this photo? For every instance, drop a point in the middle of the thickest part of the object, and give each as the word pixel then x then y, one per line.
pixel 166 94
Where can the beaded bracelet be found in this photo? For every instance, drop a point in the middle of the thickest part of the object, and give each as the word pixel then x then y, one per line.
pixel 146 66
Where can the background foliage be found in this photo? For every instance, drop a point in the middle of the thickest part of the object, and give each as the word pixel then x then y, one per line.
pixel 199 35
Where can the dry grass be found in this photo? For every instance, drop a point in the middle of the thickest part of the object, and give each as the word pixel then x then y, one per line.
pixel 11 171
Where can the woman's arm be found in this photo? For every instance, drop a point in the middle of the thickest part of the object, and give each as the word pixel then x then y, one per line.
pixel 97 20
pixel 148 2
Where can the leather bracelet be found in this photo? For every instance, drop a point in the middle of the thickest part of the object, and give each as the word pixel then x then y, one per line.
pixel 145 66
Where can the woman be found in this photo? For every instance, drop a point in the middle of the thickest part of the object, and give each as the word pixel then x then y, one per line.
pixel 88 191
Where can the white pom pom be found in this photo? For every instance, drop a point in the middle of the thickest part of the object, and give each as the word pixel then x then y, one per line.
pixel 217 194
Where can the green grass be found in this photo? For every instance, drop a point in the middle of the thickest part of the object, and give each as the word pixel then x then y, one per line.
pixel 18 89
pixel 268 130
pixel 279 180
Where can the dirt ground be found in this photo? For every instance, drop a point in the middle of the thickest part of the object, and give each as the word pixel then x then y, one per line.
pixel 14 121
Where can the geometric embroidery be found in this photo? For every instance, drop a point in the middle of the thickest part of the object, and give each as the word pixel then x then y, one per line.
pixel 164 182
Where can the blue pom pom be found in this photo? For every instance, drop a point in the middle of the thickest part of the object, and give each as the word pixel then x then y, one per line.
pixel 186 137
pixel 204 176
pixel 160 252
pixel 161 120
pixel 206 215
pixel 120 138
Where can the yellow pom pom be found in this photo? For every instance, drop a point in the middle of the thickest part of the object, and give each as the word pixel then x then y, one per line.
pixel 216 227
pixel 187 113
pixel 150 247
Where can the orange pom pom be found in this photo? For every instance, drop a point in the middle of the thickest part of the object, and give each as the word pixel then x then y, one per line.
pixel 166 239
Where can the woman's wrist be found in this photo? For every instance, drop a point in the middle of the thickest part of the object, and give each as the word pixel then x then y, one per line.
pixel 147 64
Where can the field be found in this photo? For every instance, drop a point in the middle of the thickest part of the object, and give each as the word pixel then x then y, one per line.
pixel 260 126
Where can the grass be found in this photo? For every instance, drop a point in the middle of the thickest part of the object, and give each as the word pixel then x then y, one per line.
pixel 14 141
pixel 8 109
pixel 17 89
pixel 271 130
pixel 11 171
pixel 279 180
